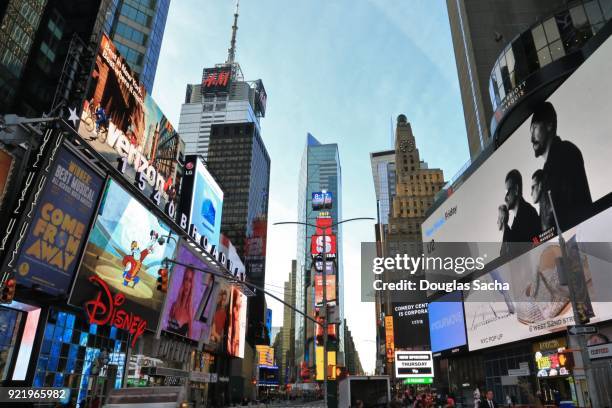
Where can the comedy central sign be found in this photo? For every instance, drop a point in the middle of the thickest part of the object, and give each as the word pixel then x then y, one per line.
pixel 413 364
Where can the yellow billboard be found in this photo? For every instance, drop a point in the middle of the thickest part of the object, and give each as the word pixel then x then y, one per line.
pixel 265 355
pixel 331 361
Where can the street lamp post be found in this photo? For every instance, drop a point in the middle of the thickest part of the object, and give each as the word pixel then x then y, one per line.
pixel 324 283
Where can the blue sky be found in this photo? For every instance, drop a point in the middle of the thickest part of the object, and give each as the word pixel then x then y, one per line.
pixel 341 70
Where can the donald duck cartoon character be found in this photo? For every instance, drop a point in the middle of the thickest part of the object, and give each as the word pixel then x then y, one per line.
pixel 133 262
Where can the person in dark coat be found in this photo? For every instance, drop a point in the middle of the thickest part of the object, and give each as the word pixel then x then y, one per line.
pixel 526 222
pixel 563 166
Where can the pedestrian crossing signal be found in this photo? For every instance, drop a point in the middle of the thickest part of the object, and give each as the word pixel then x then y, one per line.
pixel 162 280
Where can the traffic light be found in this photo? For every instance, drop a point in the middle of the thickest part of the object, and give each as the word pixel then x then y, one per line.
pixel 162 280
pixel 8 290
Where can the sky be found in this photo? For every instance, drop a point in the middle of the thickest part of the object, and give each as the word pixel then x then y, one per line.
pixel 342 70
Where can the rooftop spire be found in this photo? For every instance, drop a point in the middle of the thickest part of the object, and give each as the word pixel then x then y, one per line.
pixel 231 52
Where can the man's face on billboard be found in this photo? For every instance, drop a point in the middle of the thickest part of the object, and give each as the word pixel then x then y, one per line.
pixel 536 189
pixel 512 194
pixel 540 135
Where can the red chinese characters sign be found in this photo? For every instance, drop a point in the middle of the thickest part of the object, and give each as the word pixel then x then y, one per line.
pixel 106 309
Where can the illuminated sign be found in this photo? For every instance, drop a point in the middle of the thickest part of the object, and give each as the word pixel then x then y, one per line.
pixel 265 355
pixel 413 364
pixel 216 79
pixel 330 290
pixel 322 201
pixel 389 343
pixel 105 309
pixel 59 227
pixel 317 247
pixel 124 124
pixel 331 364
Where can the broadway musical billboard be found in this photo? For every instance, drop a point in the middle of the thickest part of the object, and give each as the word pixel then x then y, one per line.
pixel 58 232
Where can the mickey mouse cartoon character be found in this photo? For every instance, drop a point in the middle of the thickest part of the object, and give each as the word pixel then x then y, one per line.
pixel 133 262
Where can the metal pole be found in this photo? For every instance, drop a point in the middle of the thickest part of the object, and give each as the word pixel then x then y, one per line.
pixel 324 308
pixel 582 342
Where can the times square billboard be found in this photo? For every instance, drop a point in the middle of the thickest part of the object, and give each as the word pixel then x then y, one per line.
pixel 564 148
pixel 122 122
pixel 202 200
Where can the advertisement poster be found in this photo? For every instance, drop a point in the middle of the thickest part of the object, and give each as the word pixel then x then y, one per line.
pixel 188 287
pixel 125 250
pixel 220 314
pixel 330 291
pixel 447 323
pixel 237 323
pixel 389 341
pixel 410 325
pixel 265 355
pixel 505 199
pixel 51 250
pixel 206 200
pixel 120 120
pixel 7 163
pixel 538 302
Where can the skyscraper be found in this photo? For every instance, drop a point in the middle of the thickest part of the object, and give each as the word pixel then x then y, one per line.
pixel 481 29
pixel 287 358
pixel 320 170
pixel 405 188
pixel 137 30
pixel 38 40
pixel 222 96
pixel 239 161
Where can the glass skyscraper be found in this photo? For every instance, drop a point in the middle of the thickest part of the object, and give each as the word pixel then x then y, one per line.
pixel 137 31
pixel 320 170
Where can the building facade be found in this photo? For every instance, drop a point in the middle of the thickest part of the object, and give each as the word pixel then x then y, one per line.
pixel 480 31
pixel 320 171
pixel 39 41
pixel 137 28
pixel 239 161
pixel 287 357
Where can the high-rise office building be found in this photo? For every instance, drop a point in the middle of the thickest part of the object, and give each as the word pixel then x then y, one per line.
pixel 352 360
pixel 405 188
pixel 222 96
pixel 137 30
pixel 320 171
pixel 481 30
pixel 287 357
pixel 39 40
pixel 239 161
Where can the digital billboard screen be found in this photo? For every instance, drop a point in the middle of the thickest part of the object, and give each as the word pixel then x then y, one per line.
pixel 188 287
pixel 58 232
pixel 216 79
pixel 222 298
pixel 447 323
pixel 7 165
pixel 538 301
pixel 120 120
pixel 410 325
pixel 505 199
pixel 322 200
pixel 202 200
pixel 330 290
pixel 125 250
pixel 237 323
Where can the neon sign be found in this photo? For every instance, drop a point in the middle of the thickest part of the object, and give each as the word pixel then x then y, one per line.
pixel 104 309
